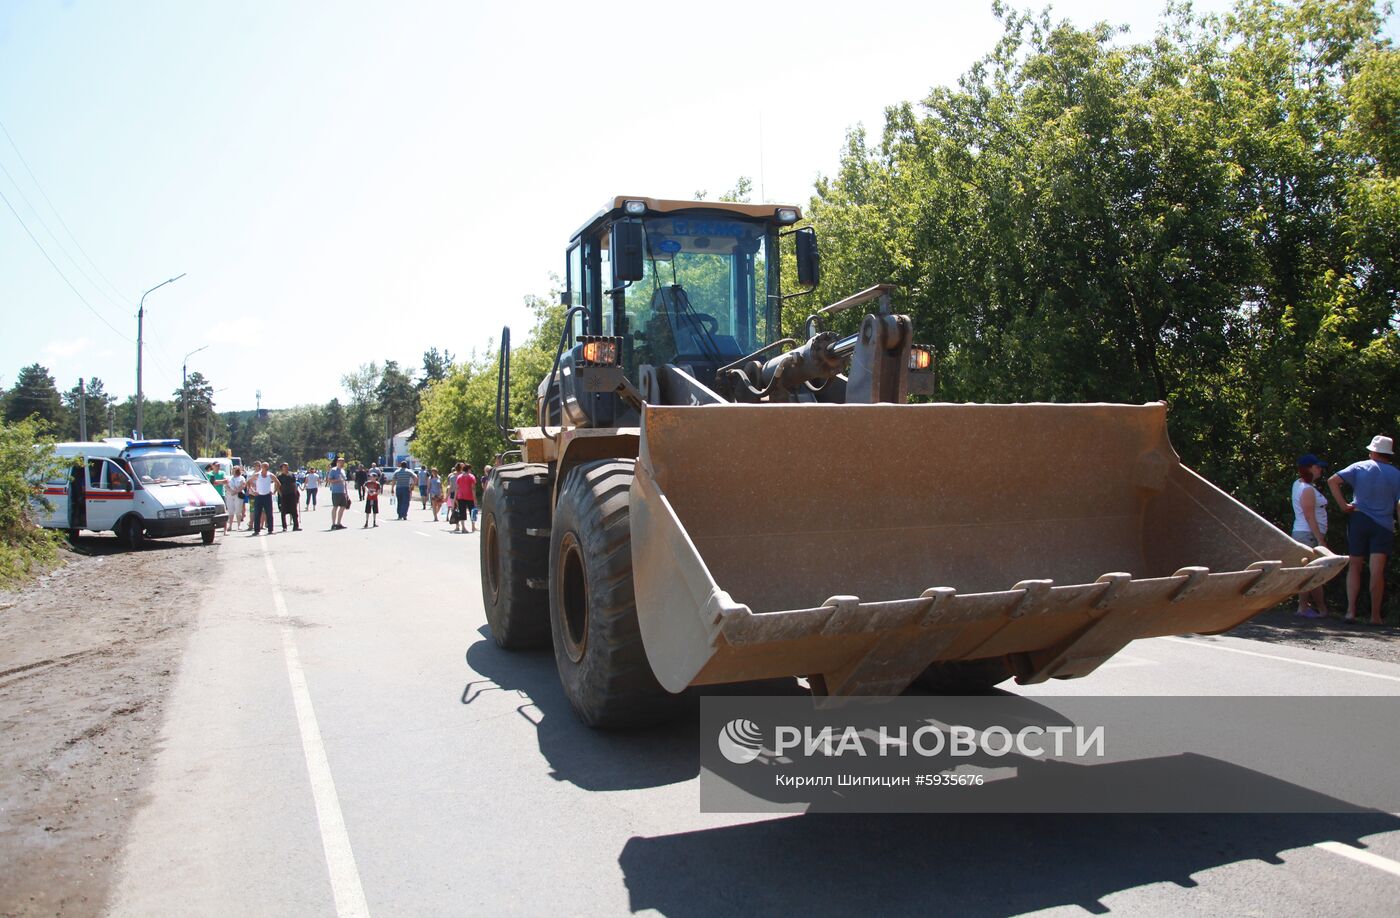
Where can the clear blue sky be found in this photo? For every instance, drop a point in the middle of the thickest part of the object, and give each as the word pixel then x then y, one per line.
pixel 346 182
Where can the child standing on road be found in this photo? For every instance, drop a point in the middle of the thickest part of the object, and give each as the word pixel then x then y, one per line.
pixel 450 493
pixel 435 492
pixel 371 499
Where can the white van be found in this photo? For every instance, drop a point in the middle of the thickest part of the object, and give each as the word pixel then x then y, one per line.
pixel 225 462
pixel 136 488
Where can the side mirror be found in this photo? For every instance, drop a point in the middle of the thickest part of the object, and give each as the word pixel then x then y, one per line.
pixel 627 251
pixel 808 261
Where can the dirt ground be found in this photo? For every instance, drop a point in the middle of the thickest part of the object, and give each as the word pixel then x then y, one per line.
pixel 87 657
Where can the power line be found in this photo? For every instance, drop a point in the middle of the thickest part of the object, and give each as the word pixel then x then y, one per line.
pixel 58 242
pixel 34 178
pixel 55 266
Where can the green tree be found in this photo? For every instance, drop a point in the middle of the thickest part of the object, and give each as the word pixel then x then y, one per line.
pixel 35 395
pixel 1208 218
pixel 200 395
pixel 97 402
pixel 365 425
pixel 333 427
pixel 436 365
pixel 398 398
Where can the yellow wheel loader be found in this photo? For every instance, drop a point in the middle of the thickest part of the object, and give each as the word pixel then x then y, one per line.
pixel 704 501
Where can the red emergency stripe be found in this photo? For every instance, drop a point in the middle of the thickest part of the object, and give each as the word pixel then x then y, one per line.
pixel 92 495
pixel 110 495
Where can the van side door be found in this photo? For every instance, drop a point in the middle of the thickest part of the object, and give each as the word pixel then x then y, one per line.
pixel 55 516
pixel 110 494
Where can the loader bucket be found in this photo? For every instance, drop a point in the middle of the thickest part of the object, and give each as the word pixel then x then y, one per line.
pixel 863 542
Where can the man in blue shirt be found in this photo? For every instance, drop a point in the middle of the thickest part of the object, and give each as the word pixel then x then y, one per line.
pixel 1375 492
pixel 403 488
pixel 340 493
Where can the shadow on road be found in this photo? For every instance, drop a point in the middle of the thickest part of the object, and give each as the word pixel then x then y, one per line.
pixel 829 863
pixel 594 759
pixel 99 545
pixel 978 865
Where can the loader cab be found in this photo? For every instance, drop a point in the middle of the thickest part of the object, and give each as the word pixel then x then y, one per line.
pixel 689 283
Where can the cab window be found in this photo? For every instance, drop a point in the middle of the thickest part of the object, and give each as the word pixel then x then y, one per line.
pixel 116 478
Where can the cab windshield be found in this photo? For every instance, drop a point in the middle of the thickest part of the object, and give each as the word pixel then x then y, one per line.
pixel 705 295
pixel 160 468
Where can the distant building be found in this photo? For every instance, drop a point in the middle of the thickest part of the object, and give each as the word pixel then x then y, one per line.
pixel 400 448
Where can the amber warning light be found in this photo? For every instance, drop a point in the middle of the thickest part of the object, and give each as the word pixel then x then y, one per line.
pixel 600 351
pixel 920 358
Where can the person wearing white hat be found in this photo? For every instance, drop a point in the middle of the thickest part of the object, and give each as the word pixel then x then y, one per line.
pixel 1375 492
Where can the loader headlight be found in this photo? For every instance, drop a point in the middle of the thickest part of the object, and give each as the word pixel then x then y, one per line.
pixel 920 358
pixel 787 215
pixel 601 352
pixel 636 208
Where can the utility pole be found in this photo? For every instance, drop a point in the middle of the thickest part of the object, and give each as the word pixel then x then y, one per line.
pixel 82 410
pixel 140 328
pixel 185 390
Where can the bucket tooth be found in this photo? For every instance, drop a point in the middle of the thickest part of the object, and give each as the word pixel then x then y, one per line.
pixel 846 617
pixel 1033 596
pixel 1195 576
pixel 1115 582
pixel 940 599
pixel 1269 571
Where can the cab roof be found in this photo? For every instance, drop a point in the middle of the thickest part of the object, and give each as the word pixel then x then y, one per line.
pixel 666 206
pixel 112 446
pixel 90 449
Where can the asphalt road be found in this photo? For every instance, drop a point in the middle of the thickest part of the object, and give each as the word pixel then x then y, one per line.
pixel 344 738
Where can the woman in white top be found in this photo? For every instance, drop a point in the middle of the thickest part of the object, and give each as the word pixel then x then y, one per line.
pixel 1310 524
pixel 233 499
pixel 313 484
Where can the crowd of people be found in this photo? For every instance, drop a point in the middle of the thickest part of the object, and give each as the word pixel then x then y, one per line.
pixel 1375 498
pixel 248 493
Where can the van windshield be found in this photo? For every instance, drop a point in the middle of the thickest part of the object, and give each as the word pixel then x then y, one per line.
pixel 165 467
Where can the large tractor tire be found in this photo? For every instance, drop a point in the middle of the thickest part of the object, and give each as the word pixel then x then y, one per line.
pixel 592 610
pixel 515 555
pixel 964 677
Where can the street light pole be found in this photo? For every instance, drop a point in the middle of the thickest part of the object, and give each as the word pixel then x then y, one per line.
pixel 140 323
pixel 185 390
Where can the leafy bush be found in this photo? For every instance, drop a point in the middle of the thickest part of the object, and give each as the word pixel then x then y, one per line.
pixel 23 468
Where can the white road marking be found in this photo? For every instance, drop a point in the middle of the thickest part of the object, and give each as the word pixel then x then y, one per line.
pixel 1361 857
pixel 423 534
pixel 340 859
pixel 1269 656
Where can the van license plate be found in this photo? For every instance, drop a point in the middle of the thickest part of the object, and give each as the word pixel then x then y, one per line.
pixel 206 521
